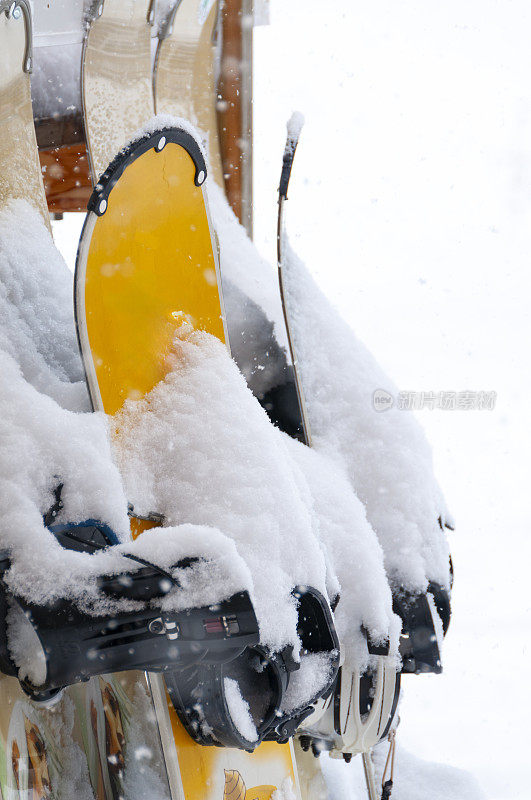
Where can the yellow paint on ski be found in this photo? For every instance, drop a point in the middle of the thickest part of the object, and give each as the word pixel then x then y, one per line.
pixel 198 764
pixel 151 264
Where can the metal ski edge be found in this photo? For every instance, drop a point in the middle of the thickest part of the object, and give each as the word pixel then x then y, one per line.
pixel 79 312
pixel 157 688
pixel 287 164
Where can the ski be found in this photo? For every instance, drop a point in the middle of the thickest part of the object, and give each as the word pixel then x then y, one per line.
pixel 166 274
pixel 115 74
pixel 184 76
pixel 20 176
pixel 184 84
pixel 79 740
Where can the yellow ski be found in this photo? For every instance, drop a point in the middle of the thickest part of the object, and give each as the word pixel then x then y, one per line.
pixel 147 261
pixel 45 751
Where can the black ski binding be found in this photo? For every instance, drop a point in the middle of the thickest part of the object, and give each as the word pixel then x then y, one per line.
pixel 72 645
pixel 419 644
pixel 199 693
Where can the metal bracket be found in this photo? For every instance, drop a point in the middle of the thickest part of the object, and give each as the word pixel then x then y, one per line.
pixel 151 13
pixel 13 10
pixel 94 11
pixel 166 26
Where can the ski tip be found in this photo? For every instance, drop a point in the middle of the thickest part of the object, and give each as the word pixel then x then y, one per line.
pixel 294 127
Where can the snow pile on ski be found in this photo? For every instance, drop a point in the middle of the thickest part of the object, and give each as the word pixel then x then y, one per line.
pixel 354 557
pixel 45 444
pixel 161 121
pixel 294 126
pixel 200 449
pixel 285 792
pixel 386 455
pixel 36 320
pixel 351 550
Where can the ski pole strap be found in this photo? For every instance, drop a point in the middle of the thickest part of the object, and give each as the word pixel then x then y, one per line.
pixel 387 785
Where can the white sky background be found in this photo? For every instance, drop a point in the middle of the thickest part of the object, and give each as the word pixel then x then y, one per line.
pixel 411 203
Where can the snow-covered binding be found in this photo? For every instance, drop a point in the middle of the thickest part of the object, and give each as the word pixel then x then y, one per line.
pixel 358 713
pixel 242 703
pixel 64 645
pixel 425 620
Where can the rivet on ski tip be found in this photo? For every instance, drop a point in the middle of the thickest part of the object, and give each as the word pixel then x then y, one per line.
pixel 201 177
pixel 102 208
pixel 161 143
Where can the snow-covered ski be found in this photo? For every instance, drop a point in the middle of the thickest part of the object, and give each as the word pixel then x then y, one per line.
pixel 128 319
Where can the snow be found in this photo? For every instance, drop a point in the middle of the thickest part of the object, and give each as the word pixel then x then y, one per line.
pixel 25 647
pixel 306 682
pixel 199 448
pixel 294 127
pixel 158 121
pixel 45 443
pixel 36 320
pixel 239 710
pixel 385 454
pixel 414 779
pixel 354 555
pixel 350 547
pixel 285 792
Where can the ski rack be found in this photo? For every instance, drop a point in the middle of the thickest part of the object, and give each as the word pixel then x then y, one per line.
pixel 12 10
